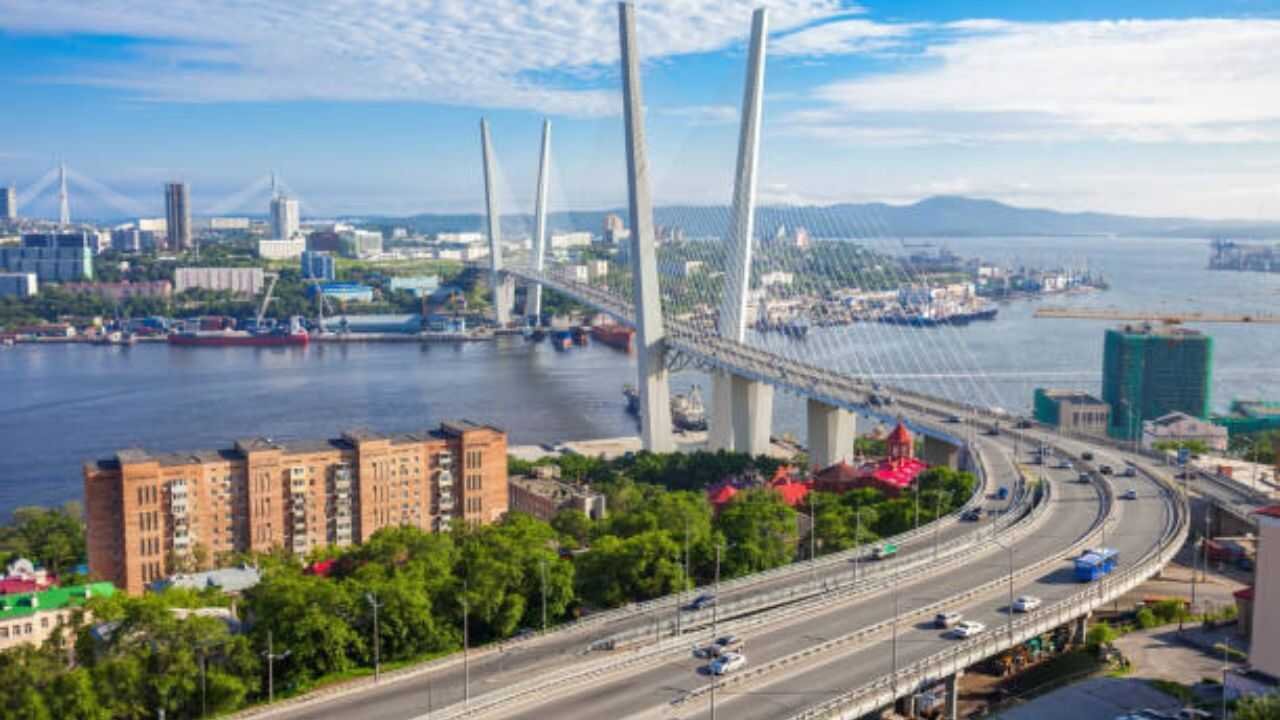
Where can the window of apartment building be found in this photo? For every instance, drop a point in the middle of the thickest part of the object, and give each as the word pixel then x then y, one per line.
pixel 44 623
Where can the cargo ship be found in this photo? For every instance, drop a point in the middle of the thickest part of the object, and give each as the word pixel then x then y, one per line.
pixel 293 334
pixel 615 336
pixel 935 316
pixel 687 411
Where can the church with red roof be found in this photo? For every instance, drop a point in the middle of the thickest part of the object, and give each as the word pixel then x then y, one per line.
pixel 890 475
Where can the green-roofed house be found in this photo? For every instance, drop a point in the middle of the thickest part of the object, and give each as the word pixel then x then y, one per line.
pixel 30 618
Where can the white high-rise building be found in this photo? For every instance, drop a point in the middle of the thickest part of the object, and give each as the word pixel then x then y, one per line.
pixel 284 217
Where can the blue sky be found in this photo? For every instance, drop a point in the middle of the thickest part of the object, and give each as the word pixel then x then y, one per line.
pixel 1155 108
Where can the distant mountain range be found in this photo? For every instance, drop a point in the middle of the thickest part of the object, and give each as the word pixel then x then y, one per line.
pixel 946 216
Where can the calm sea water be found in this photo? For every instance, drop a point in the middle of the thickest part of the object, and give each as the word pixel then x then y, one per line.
pixel 62 405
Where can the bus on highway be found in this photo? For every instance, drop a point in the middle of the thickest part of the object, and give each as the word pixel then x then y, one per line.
pixel 1093 564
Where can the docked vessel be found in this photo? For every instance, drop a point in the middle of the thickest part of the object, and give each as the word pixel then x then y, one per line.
pixel 935 315
pixel 687 410
pixel 615 336
pixel 116 337
pixel 292 334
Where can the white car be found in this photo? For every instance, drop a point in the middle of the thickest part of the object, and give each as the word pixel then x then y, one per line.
pixel 967 629
pixel 1026 603
pixel 728 662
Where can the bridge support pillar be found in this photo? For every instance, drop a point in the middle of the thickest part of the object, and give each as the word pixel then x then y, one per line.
pixel 1082 629
pixel 953 696
pixel 941 452
pixel 502 286
pixel 752 408
pixel 720 428
pixel 830 434
pixel 651 346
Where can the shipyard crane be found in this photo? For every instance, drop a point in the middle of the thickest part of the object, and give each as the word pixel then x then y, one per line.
pixel 1154 317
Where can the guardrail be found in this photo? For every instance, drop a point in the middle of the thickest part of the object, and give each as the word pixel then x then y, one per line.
pixel 937 667
pixel 838 588
pixel 987 588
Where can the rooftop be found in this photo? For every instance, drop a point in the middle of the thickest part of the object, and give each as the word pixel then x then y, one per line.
pixel 232 579
pixel 548 488
pixel 1072 396
pixel 14 606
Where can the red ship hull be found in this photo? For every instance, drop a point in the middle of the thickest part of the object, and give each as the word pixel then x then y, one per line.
pixel 237 339
pixel 617 336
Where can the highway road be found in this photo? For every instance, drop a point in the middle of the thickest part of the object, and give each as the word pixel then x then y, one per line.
pixel 520 661
pixel 650 693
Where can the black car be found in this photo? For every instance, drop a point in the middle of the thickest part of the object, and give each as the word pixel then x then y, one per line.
pixel 993 430
pixel 953 418
pixel 1105 469
pixel 1086 455
pixel 1024 424
pixel 972 515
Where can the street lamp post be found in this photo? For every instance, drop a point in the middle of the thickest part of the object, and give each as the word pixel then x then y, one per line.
pixel 937 513
pixel 542 570
pixel 917 520
pixel 377 641
pixel 466 647
pixel 271 657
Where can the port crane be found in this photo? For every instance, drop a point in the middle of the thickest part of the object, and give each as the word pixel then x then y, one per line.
pixel 1154 317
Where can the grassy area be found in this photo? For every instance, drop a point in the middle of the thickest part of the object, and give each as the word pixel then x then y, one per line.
pixel 1183 693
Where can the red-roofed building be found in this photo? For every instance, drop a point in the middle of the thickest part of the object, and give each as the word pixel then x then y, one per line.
pixel 891 475
pixel 22 576
pixel 793 491
pixel 320 568
pixel 720 494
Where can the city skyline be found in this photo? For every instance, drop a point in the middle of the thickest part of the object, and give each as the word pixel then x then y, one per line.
pixel 890 101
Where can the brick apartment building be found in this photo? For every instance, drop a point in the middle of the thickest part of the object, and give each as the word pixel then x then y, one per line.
pixel 147 514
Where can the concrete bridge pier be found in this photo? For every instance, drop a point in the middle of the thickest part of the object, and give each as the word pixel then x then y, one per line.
pixel 941 452
pixel 952 709
pixel 1082 629
pixel 830 434
pixel 752 410
pixel 720 426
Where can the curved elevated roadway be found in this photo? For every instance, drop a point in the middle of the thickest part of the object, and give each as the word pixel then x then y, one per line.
pixel 492 670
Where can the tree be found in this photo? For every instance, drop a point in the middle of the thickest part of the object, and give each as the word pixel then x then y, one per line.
pixel 307 615
pixel 640 567
pixel 52 537
pixel 1258 707
pixel 1100 635
pixel 573 525
pixel 759 530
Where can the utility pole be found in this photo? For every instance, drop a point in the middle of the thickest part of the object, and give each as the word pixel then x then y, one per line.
pixel 377 641
pixel 813 533
pixel 937 513
pixel 272 657
pixel 857 538
pixel 715 605
pixel 1226 666
pixel 1010 613
pixel 917 523
pixel 893 675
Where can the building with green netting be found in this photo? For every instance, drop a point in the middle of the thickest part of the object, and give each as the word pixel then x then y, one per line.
pixel 1149 372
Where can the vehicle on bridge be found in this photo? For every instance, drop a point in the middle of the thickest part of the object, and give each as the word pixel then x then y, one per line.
pixel 1093 564
pixel 701 602
pixel 881 552
pixel 946 619
pixel 972 515
pixel 727 663
pixel 967 629
pixel 1129 494
pixel 1026 603
pixel 1084 478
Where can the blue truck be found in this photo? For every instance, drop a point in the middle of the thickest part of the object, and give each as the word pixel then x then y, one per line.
pixel 1093 564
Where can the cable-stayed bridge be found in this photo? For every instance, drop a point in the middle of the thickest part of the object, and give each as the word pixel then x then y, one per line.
pixel 835 636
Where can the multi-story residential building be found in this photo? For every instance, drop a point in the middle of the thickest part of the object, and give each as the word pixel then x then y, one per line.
pixel 146 514
pixel 544 494
pixel 1149 372
pixel 30 618
pixel 1072 411
pixel 177 216
pixel 8 203
pixel 61 256
pixel 18 285
pixel 1264 646
pixel 282 249
pixel 241 281
pixel 118 291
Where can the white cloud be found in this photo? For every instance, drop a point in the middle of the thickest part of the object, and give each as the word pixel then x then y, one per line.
pixel 537 54
pixel 1145 81
pixel 843 37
